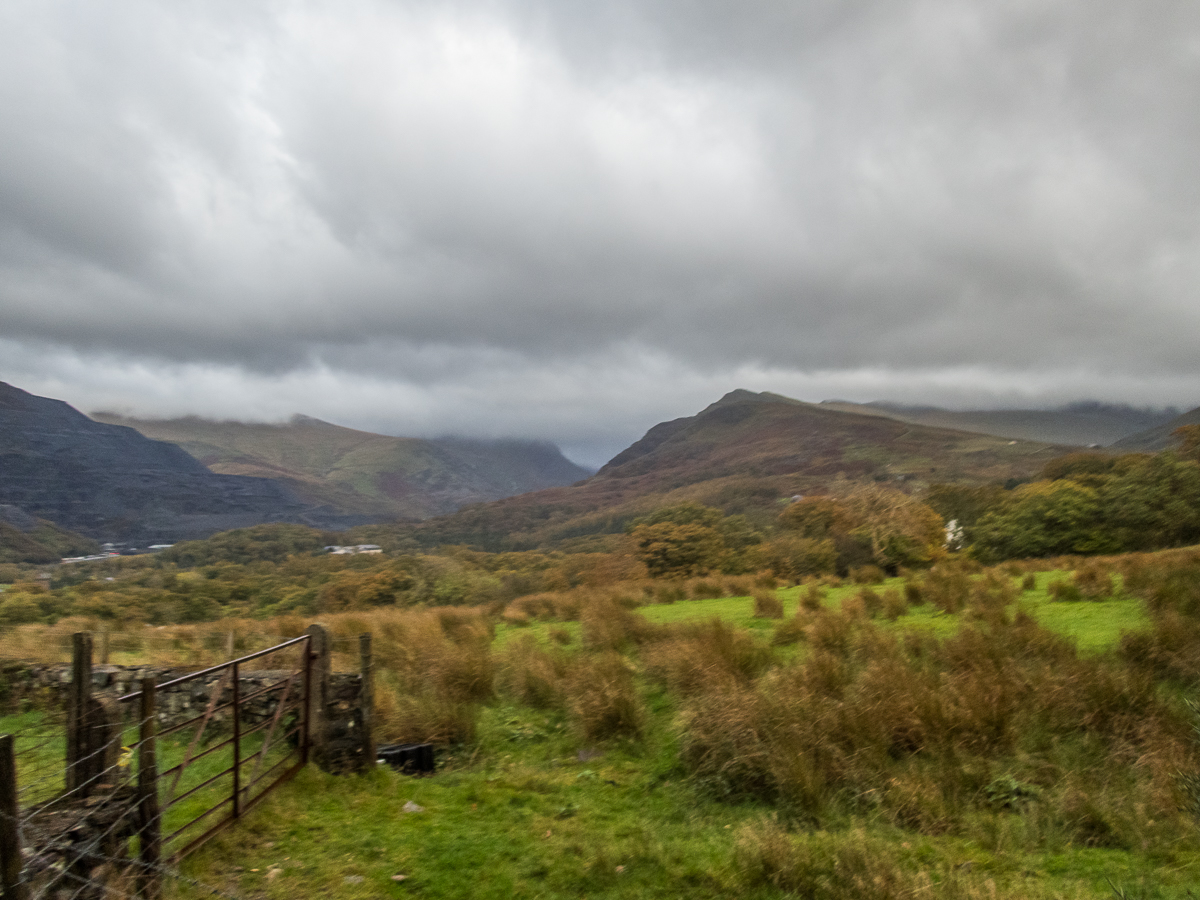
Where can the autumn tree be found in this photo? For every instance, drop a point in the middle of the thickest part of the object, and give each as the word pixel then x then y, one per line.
pixel 691 539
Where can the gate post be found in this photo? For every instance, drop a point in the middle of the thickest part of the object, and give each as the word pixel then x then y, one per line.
pixel 78 703
pixel 10 833
pixel 366 702
pixel 317 713
pixel 149 882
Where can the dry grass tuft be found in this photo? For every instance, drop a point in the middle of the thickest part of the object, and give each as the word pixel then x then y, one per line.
pixel 767 605
pixel 602 698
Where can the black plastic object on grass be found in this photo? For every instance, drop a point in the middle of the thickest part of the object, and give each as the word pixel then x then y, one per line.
pixel 411 759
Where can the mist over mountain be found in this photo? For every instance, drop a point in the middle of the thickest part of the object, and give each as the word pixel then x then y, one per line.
pixel 354 472
pixel 746 453
pixel 111 483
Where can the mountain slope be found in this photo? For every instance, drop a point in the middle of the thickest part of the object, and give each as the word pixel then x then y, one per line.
pixel 1082 424
pixel 24 539
pixel 357 472
pixel 112 483
pixel 743 453
pixel 1152 440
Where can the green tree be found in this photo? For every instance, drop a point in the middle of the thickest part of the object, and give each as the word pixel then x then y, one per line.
pixel 1044 518
pixel 692 539
pixel 674 550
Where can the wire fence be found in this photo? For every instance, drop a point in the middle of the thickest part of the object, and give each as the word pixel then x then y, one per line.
pixel 85 809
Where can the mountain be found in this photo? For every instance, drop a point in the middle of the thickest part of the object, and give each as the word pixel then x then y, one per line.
pixel 357 472
pixel 111 483
pixel 1081 424
pixel 24 539
pixel 744 453
pixel 1152 440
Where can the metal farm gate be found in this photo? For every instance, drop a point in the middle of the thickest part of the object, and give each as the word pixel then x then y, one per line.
pixel 252 736
pixel 155 775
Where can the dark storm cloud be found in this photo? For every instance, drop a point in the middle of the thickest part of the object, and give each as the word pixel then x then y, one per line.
pixel 500 216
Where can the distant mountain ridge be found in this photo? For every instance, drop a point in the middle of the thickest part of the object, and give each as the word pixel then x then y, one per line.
pixel 111 483
pixel 746 453
pixel 1082 424
pixel 361 473
pixel 1160 437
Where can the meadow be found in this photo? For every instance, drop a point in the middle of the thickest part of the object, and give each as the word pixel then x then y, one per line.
pixel 1015 731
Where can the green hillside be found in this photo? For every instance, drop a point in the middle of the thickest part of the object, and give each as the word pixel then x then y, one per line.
pixel 357 472
pixel 25 539
pixel 744 454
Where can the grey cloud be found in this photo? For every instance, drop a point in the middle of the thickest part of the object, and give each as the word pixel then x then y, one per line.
pixel 422 194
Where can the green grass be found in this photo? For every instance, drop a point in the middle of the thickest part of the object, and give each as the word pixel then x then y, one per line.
pixel 523 815
pixel 531 810
pixel 1095 626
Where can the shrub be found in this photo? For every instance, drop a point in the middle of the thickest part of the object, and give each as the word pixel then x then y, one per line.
pixel 813 597
pixel 603 700
pixel 767 606
pixel 894 605
pixel 1064 592
pixel 423 718
pixel 913 595
pixel 607 625
pixel 531 675
pixel 872 603
pixel 1094 582
pixel 789 631
pixel 669 593
pixel 705 656
pixel 947 587
pixel 869 574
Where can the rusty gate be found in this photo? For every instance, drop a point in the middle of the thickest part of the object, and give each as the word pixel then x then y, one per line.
pixel 251 735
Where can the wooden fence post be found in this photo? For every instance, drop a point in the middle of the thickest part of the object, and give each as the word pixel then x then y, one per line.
pixel 78 703
pixel 10 833
pixel 366 701
pixel 149 882
pixel 317 713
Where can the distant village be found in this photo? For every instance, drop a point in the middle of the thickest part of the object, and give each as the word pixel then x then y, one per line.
pixel 108 551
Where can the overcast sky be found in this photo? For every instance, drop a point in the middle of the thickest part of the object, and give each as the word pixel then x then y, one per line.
pixel 570 220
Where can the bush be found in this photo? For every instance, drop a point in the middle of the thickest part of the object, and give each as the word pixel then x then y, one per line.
pixel 603 700
pixel 1064 592
pixel 19 609
pixel 531 675
pixel 869 574
pixel 947 587
pixel 1094 581
pixel 813 598
pixel 767 606
pixel 704 657
pixel 894 605
pixel 872 603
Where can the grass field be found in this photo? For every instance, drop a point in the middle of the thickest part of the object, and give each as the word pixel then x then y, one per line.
pixel 532 805
pixel 532 810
